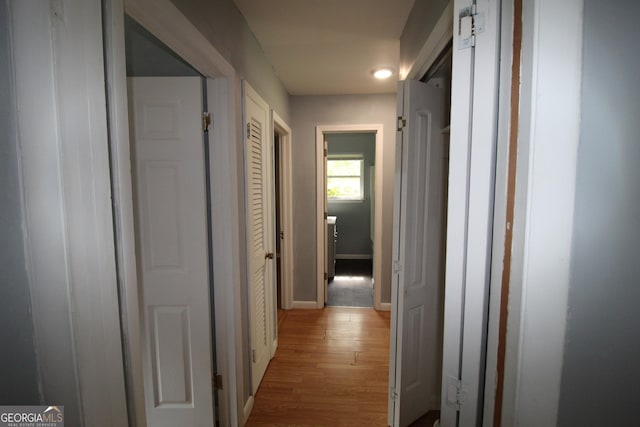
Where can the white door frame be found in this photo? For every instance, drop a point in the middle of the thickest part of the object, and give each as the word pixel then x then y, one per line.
pixel 65 191
pixel 286 209
pixel 168 24
pixel 321 230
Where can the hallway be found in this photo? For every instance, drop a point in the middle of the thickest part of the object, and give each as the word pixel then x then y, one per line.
pixel 331 368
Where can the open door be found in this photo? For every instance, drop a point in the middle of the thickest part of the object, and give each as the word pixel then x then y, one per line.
pixel 260 231
pixel 171 235
pixel 418 252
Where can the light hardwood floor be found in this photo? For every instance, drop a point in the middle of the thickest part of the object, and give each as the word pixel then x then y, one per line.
pixel 331 369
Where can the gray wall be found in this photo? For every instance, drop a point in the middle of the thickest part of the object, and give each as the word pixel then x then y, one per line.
pixel 423 17
pixel 226 29
pixel 354 217
pixel 307 113
pixel 601 373
pixel 18 367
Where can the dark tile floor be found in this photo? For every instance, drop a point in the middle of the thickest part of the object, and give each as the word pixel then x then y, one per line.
pixel 352 285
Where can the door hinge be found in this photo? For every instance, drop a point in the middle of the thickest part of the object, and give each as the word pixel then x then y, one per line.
pixel 326 276
pixel 470 23
pixel 402 123
pixel 206 121
pixel 253 355
pixel 455 393
pixel 217 382
pixel 248 131
pixel 397 267
pixel 393 394
pixel 326 152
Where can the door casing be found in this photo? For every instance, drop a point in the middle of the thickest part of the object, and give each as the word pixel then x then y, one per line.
pixel 286 208
pixel 168 24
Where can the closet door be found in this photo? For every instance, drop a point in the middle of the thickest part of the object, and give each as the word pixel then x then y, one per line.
pixel 259 178
pixel 171 238
pixel 417 291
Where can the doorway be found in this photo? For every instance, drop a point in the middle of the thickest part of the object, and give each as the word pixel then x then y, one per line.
pixel 370 244
pixel 350 223
pixel 172 221
pixel 283 214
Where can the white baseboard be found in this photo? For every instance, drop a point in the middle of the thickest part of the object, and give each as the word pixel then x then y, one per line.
pixel 353 256
pixel 248 407
pixel 385 306
pixel 305 304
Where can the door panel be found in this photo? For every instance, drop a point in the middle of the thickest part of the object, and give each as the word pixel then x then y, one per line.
pixel 260 223
pixel 417 296
pixel 171 236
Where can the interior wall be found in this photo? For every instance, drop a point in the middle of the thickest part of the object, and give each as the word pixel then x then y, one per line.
pixel 18 366
pixel 601 375
pixel 307 113
pixel 224 26
pixel 420 23
pixel 354 217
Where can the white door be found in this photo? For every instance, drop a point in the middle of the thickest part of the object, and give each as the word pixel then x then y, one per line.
pixel 472 162
pixel 417 291
pixel 171 236
pixel 260 231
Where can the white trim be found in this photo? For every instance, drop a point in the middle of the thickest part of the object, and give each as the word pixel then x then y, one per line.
pixel 226 259
pixel 321 232
pixel 286 209
pixel 123 210
pixel 543 223
pixel 169 25
pixel 500 209
pixel 65 185
pixel 354 256
pixel 305 305
pixel 441 34
pixel 246 410
pixel 385 306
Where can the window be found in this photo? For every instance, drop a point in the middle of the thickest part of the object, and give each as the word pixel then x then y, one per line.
pixel 345 178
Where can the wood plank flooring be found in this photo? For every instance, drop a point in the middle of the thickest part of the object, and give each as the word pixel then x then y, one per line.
pixel 331 369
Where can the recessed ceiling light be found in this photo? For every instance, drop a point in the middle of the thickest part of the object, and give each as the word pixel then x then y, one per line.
pixel 382 73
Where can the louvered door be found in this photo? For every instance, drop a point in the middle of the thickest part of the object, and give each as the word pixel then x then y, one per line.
pixel 259 183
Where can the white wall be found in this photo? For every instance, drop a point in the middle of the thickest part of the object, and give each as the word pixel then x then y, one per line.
pixel 307 113
pixel 601 373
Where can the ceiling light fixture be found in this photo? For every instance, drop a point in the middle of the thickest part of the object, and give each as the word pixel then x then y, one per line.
pixel 382 73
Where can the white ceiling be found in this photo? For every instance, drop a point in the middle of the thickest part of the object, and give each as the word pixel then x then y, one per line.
pixel 329 47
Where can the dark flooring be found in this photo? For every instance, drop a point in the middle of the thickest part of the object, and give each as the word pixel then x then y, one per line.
pixel 427 420
pixel 352 285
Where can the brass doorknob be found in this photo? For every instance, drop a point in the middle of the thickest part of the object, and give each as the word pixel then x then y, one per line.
pixel 268 255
